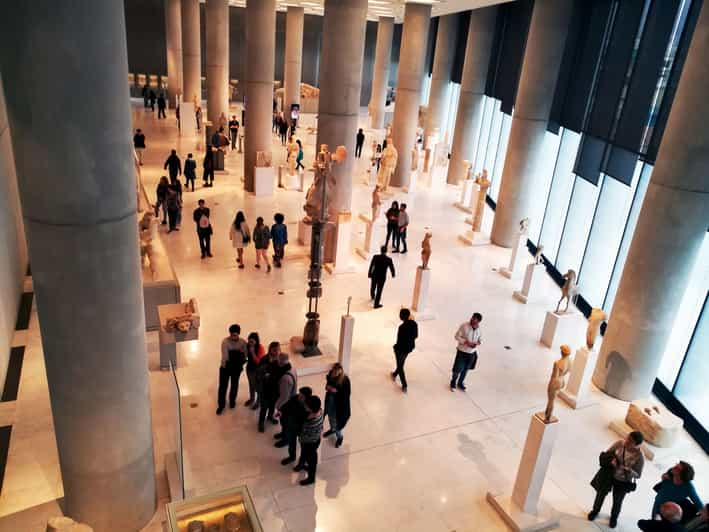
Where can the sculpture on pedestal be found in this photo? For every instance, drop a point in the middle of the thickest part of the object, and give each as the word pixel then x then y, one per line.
pixel 292 155
pixel 388 164
pixel 483 184
pixel 557 380
pixel 569 290
pixel 376 203
pixel 538 259
pixel 523 224
pixel 467 170
pixel 594 324
pixel 315 198
pixel 263 159
pixel 414 158
pixel 183 322
pixel 426 250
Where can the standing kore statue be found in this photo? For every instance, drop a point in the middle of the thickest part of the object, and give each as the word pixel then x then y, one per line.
pixel 557 380
pixel 426 250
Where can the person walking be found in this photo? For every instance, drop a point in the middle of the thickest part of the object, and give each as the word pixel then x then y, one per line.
pixel 198 117
pixel 240 236
pixel 208 166
pixel 254 353
pixel 299 158
pixel 174 204
pixel 261 236
pixel 378 274
pixel 622 466
pixel 466 355
pixel 152 97
pixel 283 130
pixel 293 416
pixel 190 172
pixel 676 486
pixel 233 131
pixel 139 145
pixel 204 228
pixel 161 194
pixel 403 226
pixel 309 437
pixel 377 159
pixel 173 166
pixel 146 95
pixel 232 364
pixel 279 236
pixel 360 144
pixel 269 374
pixel 337 401
pixel 406 337
pixel 162 104
pixel 392 216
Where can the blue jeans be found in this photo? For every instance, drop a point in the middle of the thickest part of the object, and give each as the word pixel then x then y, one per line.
pixel 463 363
pixel 331 415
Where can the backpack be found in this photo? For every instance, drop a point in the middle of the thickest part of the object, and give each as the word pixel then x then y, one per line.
pixel 203 222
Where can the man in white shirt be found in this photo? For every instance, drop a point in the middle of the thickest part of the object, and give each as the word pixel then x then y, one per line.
pixel 466 356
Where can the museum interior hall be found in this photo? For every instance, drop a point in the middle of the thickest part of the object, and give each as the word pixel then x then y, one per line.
pixel 354 265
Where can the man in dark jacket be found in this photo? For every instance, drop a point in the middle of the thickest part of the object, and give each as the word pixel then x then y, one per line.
pixel 271 375
pixel 208 165
pixel 204 228
pixel 359 144
pixel 405 343
pixel 190 171
pixel 378 274
pixel 173 165
pixel 293 414
pixel 162 104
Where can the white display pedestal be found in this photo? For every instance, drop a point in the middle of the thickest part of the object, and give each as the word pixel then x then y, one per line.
pixel 170 339
pixel 522 511
pixel 466 195
pixel 342 262
pixel 576 394
pixel 188 121
pixel 264 177
pixel 562 328
pixel 293 181
pixel 473 238
pixel 438 177
pixel 413 178
pixel 420 298
pixel 281 173
pixel 304 233
pixel 531 287
pixel 371 238
pixel 344 353
pixel 518 258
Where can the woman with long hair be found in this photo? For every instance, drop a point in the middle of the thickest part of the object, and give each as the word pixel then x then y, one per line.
pixel 262 238
pixel 240 237
pixel 254 353
pixel 337 401
pixel 393 225
pixel 299 158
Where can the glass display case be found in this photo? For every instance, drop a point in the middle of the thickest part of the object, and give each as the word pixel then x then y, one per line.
pixel 229 510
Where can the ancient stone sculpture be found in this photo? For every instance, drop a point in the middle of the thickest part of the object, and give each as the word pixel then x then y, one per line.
pixel 538 259
pixel 558 380
pixel 388 164
pixel 232 522
pixel 414 158
pixel 66 524
pixel 376 203
pixel 292 155
pixel 263 159
pixel 468 170
pixel 189 319
pixel 568 291
pixel 483 184
pixel 594 324
pixel 426 250
pixel 523 225
pixel 313 198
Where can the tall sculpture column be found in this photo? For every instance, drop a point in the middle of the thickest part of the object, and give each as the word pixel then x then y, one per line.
pixel 260 59
pixel 340 86
pixel 173 37
pixel 294 57
pixel 472 91
pixel 380 81
pixel 439 98
pixel 540 69
pixel 191 51
pixel 417 18
pixel 84 249
pixel 668 237
pixel 217 37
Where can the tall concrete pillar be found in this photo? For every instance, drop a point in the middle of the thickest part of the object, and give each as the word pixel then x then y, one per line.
pixel 191 51
pixel 341 62
pixel 417 18
pixel 173 38
pixel 440 96
pixel 667 239
pixel 260 59
pixel 472 91
pixel 216 28
pixel 380 81
pixel 293 67
pixel 83 248
pixel 540 69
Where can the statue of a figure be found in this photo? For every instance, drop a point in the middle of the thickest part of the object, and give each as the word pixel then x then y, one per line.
pixel 388 164
pixel 468 170
pixel 538 259
pixel 558 380
pixel 426 250
pixel 414 158
pixel 376 203
pixel 263 159
pixel 523 226
pixel 595 319
pixel 292 151
pixel 483 184
pixel 323 165
pixel 569 290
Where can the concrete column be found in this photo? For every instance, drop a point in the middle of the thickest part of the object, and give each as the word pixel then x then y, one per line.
pixel 472 91
pixel 340 86
pixel 260 59
pixel 294 57
pixel 540 70
pixel 380 81
pixel 83 247
pixel 417 18
pixel 439 98
pixel 217 41
pixel 191 50
pixel 667 239
pixel 173 37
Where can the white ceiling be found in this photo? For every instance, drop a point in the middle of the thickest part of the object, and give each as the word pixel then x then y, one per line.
pixel 387 8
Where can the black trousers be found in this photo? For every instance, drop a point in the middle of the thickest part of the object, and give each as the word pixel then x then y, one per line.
pixel 400 360
pixel 309 457
pixel 173 175
pixel 172 218
pixel 189 180
pixel 225 375
pixel 205 236
pixel 267 409
pixel 393 232
pixel 161 111
pixel 375 290
pixel 358 151
pixel 402 241
pixel 234 133
pixel 208 176
pixel 619 493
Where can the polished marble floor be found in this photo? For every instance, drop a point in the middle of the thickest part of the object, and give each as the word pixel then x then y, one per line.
pixel 421 461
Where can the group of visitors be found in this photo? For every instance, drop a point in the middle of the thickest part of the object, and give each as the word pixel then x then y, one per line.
pixel 150 98
pixel 282 127
pixel 274 392
pixel 262 236
pixel 397 225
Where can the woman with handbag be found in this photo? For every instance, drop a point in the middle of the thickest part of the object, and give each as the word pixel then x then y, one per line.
pixel 621 465
pixel 337 401
pixel 240 236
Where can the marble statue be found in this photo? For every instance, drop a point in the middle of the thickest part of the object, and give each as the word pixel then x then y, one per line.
pixel 376 203
pixel 66 524
pixel 483 184
pixel 387 133
pixel 388 164
pixel 523 225
pixel 222 121
pixel 467 170
pixel 263 159
pixel 426 250
pixel 292 151
pixel 538 259
pixel 414 158
pixel 188 319
pixel 568 291
pixel 557 380
pixel 595 319
pixel 313 198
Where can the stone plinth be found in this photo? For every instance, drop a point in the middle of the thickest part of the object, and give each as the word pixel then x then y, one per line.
pixel 264 177
pixel 420 296
pixel 413 179
pixel 577 391
pixel 372 238
pixel 473 238
pixel 517 259
pixel 659 426
pixel 532 286
pixel 562 328
pixel 466 195
pixel 342 260
pixel 344 352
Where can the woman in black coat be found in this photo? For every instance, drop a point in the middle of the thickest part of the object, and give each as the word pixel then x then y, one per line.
pixel 337 401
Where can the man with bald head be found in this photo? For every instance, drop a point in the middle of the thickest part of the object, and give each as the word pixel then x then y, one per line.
pixel 671 518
